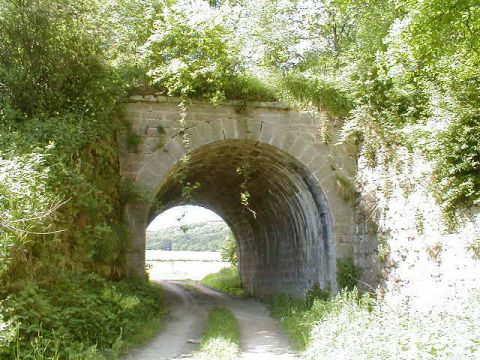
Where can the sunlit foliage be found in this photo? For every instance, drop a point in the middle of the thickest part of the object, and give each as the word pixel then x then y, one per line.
pixel 398 73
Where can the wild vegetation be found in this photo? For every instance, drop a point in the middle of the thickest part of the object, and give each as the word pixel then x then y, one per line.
pixel 398 74
pixel 226 280
pixel 353 326
pixel 383 67
pixel 79 317
pixel 61 197
pixel 299 316
pixel 222 336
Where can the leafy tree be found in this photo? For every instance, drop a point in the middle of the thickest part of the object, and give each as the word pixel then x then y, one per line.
pixel 194 51
pixel 61 77
pixel 383 66
pixel 188 53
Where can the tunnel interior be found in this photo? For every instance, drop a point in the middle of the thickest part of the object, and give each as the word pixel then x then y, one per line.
pixel 285 234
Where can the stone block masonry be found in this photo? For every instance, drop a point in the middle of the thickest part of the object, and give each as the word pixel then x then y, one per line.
pixel 425 265
pixel 297 223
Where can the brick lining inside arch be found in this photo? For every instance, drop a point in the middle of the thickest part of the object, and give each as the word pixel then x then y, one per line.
pixel 286 246
pixel 292 161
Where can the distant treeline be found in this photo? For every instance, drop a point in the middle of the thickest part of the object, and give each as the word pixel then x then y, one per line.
pixel 207 236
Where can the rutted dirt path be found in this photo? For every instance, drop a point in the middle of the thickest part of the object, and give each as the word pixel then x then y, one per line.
pixel 189 302
pixel 186 320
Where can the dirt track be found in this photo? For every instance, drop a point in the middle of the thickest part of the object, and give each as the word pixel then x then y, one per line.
pixel 260 336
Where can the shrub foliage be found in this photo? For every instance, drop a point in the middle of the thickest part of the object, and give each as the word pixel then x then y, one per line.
pixel 77 317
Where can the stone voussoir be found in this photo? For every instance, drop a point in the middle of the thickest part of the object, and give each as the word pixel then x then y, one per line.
pixel 296 224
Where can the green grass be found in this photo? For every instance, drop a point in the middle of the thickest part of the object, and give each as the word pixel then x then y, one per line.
pixel 374 330
pixel 145 333
pixel 292 314
pixel 298 316
pixel 78 317
pixel 226 280
pixel 353 326
pixel 221 338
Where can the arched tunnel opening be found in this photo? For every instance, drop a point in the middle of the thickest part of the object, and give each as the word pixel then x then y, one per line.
pixel 188 243
pixel 285 233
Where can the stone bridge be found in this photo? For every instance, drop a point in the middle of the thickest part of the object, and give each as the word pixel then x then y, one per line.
pixel 297 223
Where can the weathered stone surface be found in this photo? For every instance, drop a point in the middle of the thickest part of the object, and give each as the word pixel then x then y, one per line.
pixel 424 264
pixel 296 224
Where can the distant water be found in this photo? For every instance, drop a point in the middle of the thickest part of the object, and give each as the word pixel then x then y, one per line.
pixel 180 265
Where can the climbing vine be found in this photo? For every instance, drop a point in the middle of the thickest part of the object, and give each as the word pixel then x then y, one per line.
pixel 182 176
pixel 244 172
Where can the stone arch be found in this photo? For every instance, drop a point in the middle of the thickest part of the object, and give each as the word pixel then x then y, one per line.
pixel 316 222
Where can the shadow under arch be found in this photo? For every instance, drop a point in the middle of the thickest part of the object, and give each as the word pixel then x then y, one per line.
pixel 288 246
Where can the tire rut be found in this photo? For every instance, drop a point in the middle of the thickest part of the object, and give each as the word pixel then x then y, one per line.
pixel 189 303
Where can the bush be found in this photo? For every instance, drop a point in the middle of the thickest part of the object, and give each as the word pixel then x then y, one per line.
pixel 78 315
pixel 229 251
pixel 458 162
pixel 226 280
pixel 316 293
pixel 25 207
